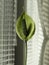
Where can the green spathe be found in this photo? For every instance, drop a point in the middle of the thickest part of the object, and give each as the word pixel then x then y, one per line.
pixel 25 27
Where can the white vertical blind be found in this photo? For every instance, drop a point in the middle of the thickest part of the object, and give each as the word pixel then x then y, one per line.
pixel 7 31
pixel 34 44
pixel 45 24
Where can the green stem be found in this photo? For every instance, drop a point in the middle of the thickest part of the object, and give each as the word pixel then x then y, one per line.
pixel 25 53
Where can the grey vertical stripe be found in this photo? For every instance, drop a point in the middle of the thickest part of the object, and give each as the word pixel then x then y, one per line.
pixel 45 12
pixel 7 32
pixel 46 16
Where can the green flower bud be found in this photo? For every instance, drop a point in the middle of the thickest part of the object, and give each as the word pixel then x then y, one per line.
pixel 25 27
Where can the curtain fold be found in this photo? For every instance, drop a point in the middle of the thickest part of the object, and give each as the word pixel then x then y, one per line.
pixel 37 40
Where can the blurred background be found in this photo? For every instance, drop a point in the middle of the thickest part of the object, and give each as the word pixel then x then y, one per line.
pixel 11 47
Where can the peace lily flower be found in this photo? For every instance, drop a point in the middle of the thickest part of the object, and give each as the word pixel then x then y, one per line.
pixel 25 29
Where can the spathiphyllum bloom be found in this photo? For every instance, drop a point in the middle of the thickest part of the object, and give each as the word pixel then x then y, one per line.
pixel 25 27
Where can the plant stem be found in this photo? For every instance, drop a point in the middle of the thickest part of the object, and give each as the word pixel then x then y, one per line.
pixel 25 53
